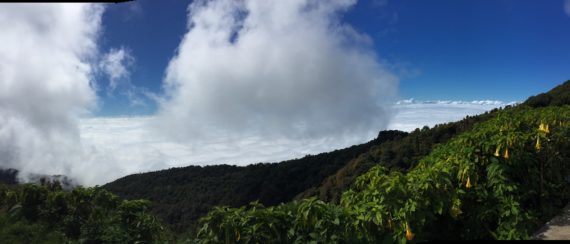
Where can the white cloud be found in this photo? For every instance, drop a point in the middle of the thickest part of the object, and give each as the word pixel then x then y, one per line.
pixel 45 83
pixel 411 114
pixel 131 147
pixel 274 69
pixel 567 7
pixel 115 64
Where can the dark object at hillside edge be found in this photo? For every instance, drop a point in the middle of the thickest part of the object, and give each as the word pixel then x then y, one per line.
pixel 8 176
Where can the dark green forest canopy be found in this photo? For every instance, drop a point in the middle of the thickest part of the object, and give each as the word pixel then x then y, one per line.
pixel 558 96
pixel 34 213
pixel 181 195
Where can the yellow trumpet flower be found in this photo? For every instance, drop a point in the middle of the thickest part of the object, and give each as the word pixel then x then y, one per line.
pixel 506 156
pixel 409 234
pixel 497 152
pixel 537 144
pixel 544 128
pixel 468 184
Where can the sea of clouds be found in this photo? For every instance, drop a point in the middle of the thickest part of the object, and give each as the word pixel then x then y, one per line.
pixel 136 149
pixel 242 88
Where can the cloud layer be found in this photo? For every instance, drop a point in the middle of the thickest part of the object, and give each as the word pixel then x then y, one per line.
pixel 132 147
pixel 411 114
pixel 45 83
pixel 274 69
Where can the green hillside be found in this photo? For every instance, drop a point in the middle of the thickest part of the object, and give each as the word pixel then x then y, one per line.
pixel 500 180
pixel 181 195
pixel 33 213
pixel 408 150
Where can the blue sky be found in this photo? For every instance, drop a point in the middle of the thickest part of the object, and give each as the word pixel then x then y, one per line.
pixel 442 49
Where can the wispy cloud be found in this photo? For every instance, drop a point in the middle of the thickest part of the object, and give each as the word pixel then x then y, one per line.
pixel 567 7
pixel 116 64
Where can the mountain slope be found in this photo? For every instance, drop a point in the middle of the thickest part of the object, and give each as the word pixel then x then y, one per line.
pixel 500 180
pixel 407 151
pixel 558 96
pixel 181 195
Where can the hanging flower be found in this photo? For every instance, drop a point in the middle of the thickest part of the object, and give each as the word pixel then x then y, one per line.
pixel 544 128
pixel 497 152
pixel 468 184
pixel 506 156
pixel 409 234
pixel 537 144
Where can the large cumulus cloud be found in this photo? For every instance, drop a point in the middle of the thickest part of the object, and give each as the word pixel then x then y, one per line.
pixel 251 81
pixel 274 69
pixel 45 84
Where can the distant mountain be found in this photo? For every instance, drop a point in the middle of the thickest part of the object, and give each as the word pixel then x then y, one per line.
pixel 10 177
pixel 558 96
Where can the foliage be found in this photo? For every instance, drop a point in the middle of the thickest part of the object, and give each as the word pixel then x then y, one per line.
pixel 34 213
pixel 305 221
pixel 498 181
pixel 401 153
pixel 405 152
pixel 181 195
pixel 558 96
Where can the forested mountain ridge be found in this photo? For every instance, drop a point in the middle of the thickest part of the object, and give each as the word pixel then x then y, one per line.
pixel 181 195
pixel 402 153
pixel 500 180
pixel 406 151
